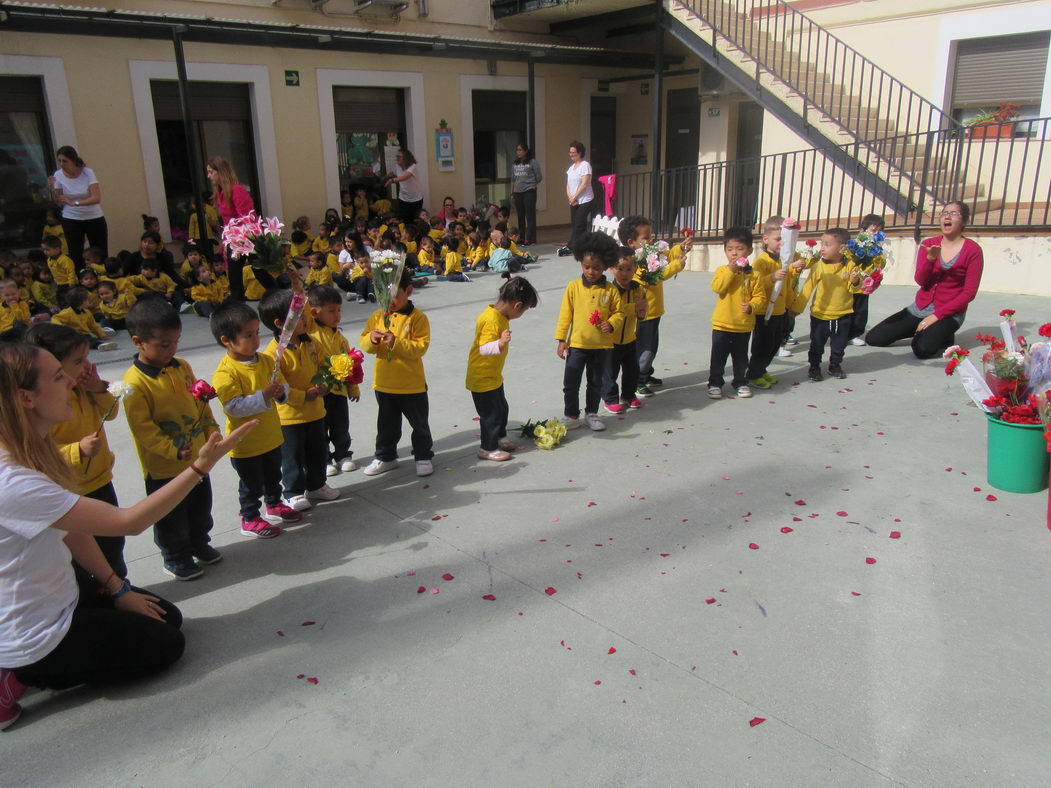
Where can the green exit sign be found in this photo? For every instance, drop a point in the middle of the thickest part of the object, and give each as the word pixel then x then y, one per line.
pixel 292 79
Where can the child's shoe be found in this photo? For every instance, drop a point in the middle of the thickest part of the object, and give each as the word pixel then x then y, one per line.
pixel 643 391
pixel 499 455
pixel 715 392
pixel 323 493
pixel 594 422
pixel 104 346
pixel 207 555
pixel 108 331
pixel 770 379
pixel 744 392
pixel 858 342
pixel 424 467
pixel 281 513
pixel 836 371
pixel 569 422
pixel 508 445
pixel 376 467
pixel 652 381
pixel 258 528
pixel 613 407
pixel 372 297
pixel 331 469
pixel 11 691
pixel 347 465
pixel 760 383
pixel 634 404
pixel 815 374
pixel 791 341
pixel 299 503
pixel 186 569
pixel 361 300
pixel 783 352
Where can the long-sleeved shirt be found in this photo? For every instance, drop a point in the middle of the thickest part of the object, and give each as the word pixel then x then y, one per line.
pixel 525 175
pixel 88 410
pixel 949 289
pixel 240 386
pixel 580 302
pixel 734 288
pixel 80 319
pixel 403 373
pixel 485 359
pixel 830 284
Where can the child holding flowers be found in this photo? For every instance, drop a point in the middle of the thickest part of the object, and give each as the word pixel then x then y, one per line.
pixel 867 251
pixel 590 315
pixel 485 366
pixel 769 334
pixel 624 361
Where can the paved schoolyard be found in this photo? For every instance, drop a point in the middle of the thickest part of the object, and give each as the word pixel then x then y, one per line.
pixel 666 634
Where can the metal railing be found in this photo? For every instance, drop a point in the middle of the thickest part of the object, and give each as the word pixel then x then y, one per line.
pixel 1001 170
pixel 856 94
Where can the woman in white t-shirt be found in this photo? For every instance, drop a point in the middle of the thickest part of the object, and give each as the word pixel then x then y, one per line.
pixel 76 190
pixel 55 632
pixel 579 193
pixel 410 198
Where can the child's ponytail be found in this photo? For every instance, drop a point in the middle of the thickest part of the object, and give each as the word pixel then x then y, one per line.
pixel 517 289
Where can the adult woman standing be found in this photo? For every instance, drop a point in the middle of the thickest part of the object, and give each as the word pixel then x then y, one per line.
pixel 948 271
pixel 410 198
pixel 75 188
pixel 579 193
pixel 525 177
pixel 233 201
pixel 54 633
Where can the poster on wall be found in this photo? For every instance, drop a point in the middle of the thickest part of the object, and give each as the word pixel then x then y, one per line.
pixel 639 143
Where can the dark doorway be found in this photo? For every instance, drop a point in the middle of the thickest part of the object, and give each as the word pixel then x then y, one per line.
pixel 682 136
pixel 745 172
pixel 499 121
pixel 603 148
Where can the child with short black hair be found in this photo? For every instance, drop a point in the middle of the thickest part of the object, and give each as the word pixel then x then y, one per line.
pixel 78 317
pixel 154 282
pixel 485 366
pixel 830 282
pixel 320 273
pixel 591 313
pixel 399 380
pixel 624 360
pixel 426 256
pixel 326 308
pixel 192 258
pixel 871 224
pixel 14 313
pixel 169 426
pixel 207 294
pixel 43 295
pixel 62 269
pixel 768 335
pixel 452 263
pixel 741 297
pixel 303 452
pixel 53 228
pixel 359 278
pixel 248 389
pixel 89 280
pixel 114 305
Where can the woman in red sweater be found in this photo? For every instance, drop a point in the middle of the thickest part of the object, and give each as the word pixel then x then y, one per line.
pixel 233 201
pixel 948 271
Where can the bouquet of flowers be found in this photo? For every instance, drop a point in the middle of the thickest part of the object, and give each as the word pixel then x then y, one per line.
pixel 387 267
pixel 866 250
pixel 260 240
pixel 342 369
pixel 183 434
pixel 652 259
pixel 545 434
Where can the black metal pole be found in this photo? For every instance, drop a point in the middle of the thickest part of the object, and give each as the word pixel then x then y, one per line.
pixel 530 106
pixel 658 111
pixel 193 146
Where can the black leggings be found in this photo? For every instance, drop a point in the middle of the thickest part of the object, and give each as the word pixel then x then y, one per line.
pixel 579 220
pixel 492 410
pixel 76 230
pixel 925 344
pixel 595 362
pixel 525 207
pixel 106 646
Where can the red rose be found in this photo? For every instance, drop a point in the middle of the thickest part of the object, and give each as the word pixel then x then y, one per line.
pixel 1045 330
pixel 202 391
pixel 811 242
pixel 1008 313
pixel 687 231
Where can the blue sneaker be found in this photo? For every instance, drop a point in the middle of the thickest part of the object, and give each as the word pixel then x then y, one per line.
pixel 183 569
pixel 207 555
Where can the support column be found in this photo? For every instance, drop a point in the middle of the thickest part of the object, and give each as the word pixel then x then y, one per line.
pixel 193 144
pixel 530 107
pixel 658 112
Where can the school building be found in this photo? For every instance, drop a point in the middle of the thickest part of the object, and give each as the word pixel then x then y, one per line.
pixel 708 113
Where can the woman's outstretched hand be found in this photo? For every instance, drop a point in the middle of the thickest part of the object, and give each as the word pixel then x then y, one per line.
pixel 217 447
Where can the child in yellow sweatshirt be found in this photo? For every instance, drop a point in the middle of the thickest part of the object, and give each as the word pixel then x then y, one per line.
pixel 831 282
pixel 624 361
pixel 590 316
pixel 768 335
pixel 114 305
pixel 399 381
pixel 741 297
pixel 62 269
pixel 14 313
pixel 78 317
pixel 43 295
pixel 320 272
pixel 452 270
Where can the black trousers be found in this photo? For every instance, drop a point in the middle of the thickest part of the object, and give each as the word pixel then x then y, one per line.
pixel 596 363
pixel 732 345
pixel 525 208
pixel 861 315
pixel 337 427
pixel 492 410
pixel 304 455
pixel 925 344
pixel 579 221
pixel 111 546
pixel 363 287
pixel 835 332
pixel 392 407
pixel 15 333
pixel 116 323
pixel 260 477
pixel 76 230
pixel 623 364
pixel 767 337
pixel 107 646
pixel 235 270
pixel 647 338
pixel 187 526
pixel 409 211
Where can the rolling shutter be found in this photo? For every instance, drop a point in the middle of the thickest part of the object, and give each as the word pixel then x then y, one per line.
pixel 208 100
pixel 377 110
pixel 1004 68
pixel 21 94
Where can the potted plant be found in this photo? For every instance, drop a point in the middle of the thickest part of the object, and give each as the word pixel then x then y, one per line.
pixel 994 124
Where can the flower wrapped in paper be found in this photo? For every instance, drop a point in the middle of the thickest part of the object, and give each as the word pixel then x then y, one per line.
pixel 387 268
pixel 257 238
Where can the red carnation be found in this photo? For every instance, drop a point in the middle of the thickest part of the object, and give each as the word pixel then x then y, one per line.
pixel 1045 330
pixel 1008 313
pixel 596 318
pixel 951 366
pixel 687 231
pixel 811 242
pixel 202 391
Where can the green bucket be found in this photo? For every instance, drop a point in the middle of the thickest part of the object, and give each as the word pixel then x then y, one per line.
pixel 1017 457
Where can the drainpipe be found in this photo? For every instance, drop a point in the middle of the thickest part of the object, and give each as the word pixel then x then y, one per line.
pixel 658 111
pixel 530 106
pixel 193 144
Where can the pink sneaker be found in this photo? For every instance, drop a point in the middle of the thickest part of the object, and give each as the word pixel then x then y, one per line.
pixel 11 691
pixel 281 513
pixel 635 404
pixel 259 528
pixel 615 408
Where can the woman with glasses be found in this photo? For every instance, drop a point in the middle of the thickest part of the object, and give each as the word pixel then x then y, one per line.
pixel 948 271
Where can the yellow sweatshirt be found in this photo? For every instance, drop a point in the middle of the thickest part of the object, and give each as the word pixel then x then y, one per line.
pixel 10 314
pixel 161 283
pixel 243 379
pixel 213 293
pixel 486 373
pixel 332 342
pixel 300 250
pixel 62 270
pixel 118 310
pixel 425 259
pixel 830 284
pixel 359 271
pixel 319 276
pixel 655 293
pixel 56 231
pixel 44 293
pixel 93 300
pixel 765 265
pixel 403 374
pixel 160 408
pixel 579 302
pixel 361 207
pixel 629 298
pixel 253 289
pixel 320 244
pixel 124 285
pixel 299 364
pixel 452 263
pixel 734 289
pixel 80 319
pixel 479 253
pixel 436 234
pixel 88 410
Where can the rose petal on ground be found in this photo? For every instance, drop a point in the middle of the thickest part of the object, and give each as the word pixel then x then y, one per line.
pixel 756 721
pixel 592 503
pixel 797 519
pixel 312 679
pixel 489 598
pixel 550 591
pixel 448 576
pixel 841 514
pixel 631 671
pixel 948 469
pixel 710 600
pixel 976 489
pixel 301 675
pixel 800 502
pixel 280 634
pixel 855 593
pixel 665 555
pixel 435 591
pixel 437 517
pixel 411 573
pixel 991 498
pixel 611 650
pixel 726 478
pixel 753 546
pixel 870 560
pixel 421 589
pixel 555 520
pixel 597 683
pixel 786 530
pixel 426 486
pixel 308 623
pixel 895 534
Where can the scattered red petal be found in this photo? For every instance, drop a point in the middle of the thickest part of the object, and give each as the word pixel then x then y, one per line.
pixel 597 683
pixel 631 671
pixel 895 534
pixel 301 675
pixel 753 546
pixel 734 652
pixel 977 489
pixel 280 634
pixel 312 679
pixel 841 514
pixel 550 591
pixel 948 469
pixel 854 593
pixel 592 503
pixel 800 502
pixel 489 598
pixel 756 721
pixel 437 517
pixel 991 498
pixel 710 600
pixel 870 560
pixel 426 486
pixel 421 589
pixel 611 650
pixel 797 519
pixel 435 591
pixel 665 555
pixel 786 530
pixel 308 623
pixel 447 576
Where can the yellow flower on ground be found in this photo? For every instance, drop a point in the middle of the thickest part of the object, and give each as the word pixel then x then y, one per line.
pixel 341 366
pixel 546 442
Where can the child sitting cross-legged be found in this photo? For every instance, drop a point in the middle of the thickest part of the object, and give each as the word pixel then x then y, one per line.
pixel 453 262
pixel 207 294
pixel 78 317
pixel 14 312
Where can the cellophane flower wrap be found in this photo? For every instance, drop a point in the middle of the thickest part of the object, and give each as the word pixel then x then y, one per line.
pixel 258 238
pixel 545 434
pixel 387 267
pixel 651 260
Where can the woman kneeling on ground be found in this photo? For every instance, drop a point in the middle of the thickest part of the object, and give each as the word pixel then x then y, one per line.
pixel 54 632
pixel 948 271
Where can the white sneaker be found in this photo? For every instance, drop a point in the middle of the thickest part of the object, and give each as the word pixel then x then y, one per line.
pixel 424 467
pixel 323 493
pixel 299 503
pixel 186 307
pixel 376 467
pixel 744 392
pixel 108 331
pixel 103 346
pixel 784 352
pixel 791 341
pixel 858 342
pixel 331 469
pixel 714 392
pixel 569 422
pixel 594 422
pixel 348 465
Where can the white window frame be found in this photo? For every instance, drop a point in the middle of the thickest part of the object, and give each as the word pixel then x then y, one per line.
pixel 52 72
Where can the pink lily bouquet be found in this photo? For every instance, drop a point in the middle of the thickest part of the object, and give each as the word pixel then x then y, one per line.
pixel 651 260
pixel 257 238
